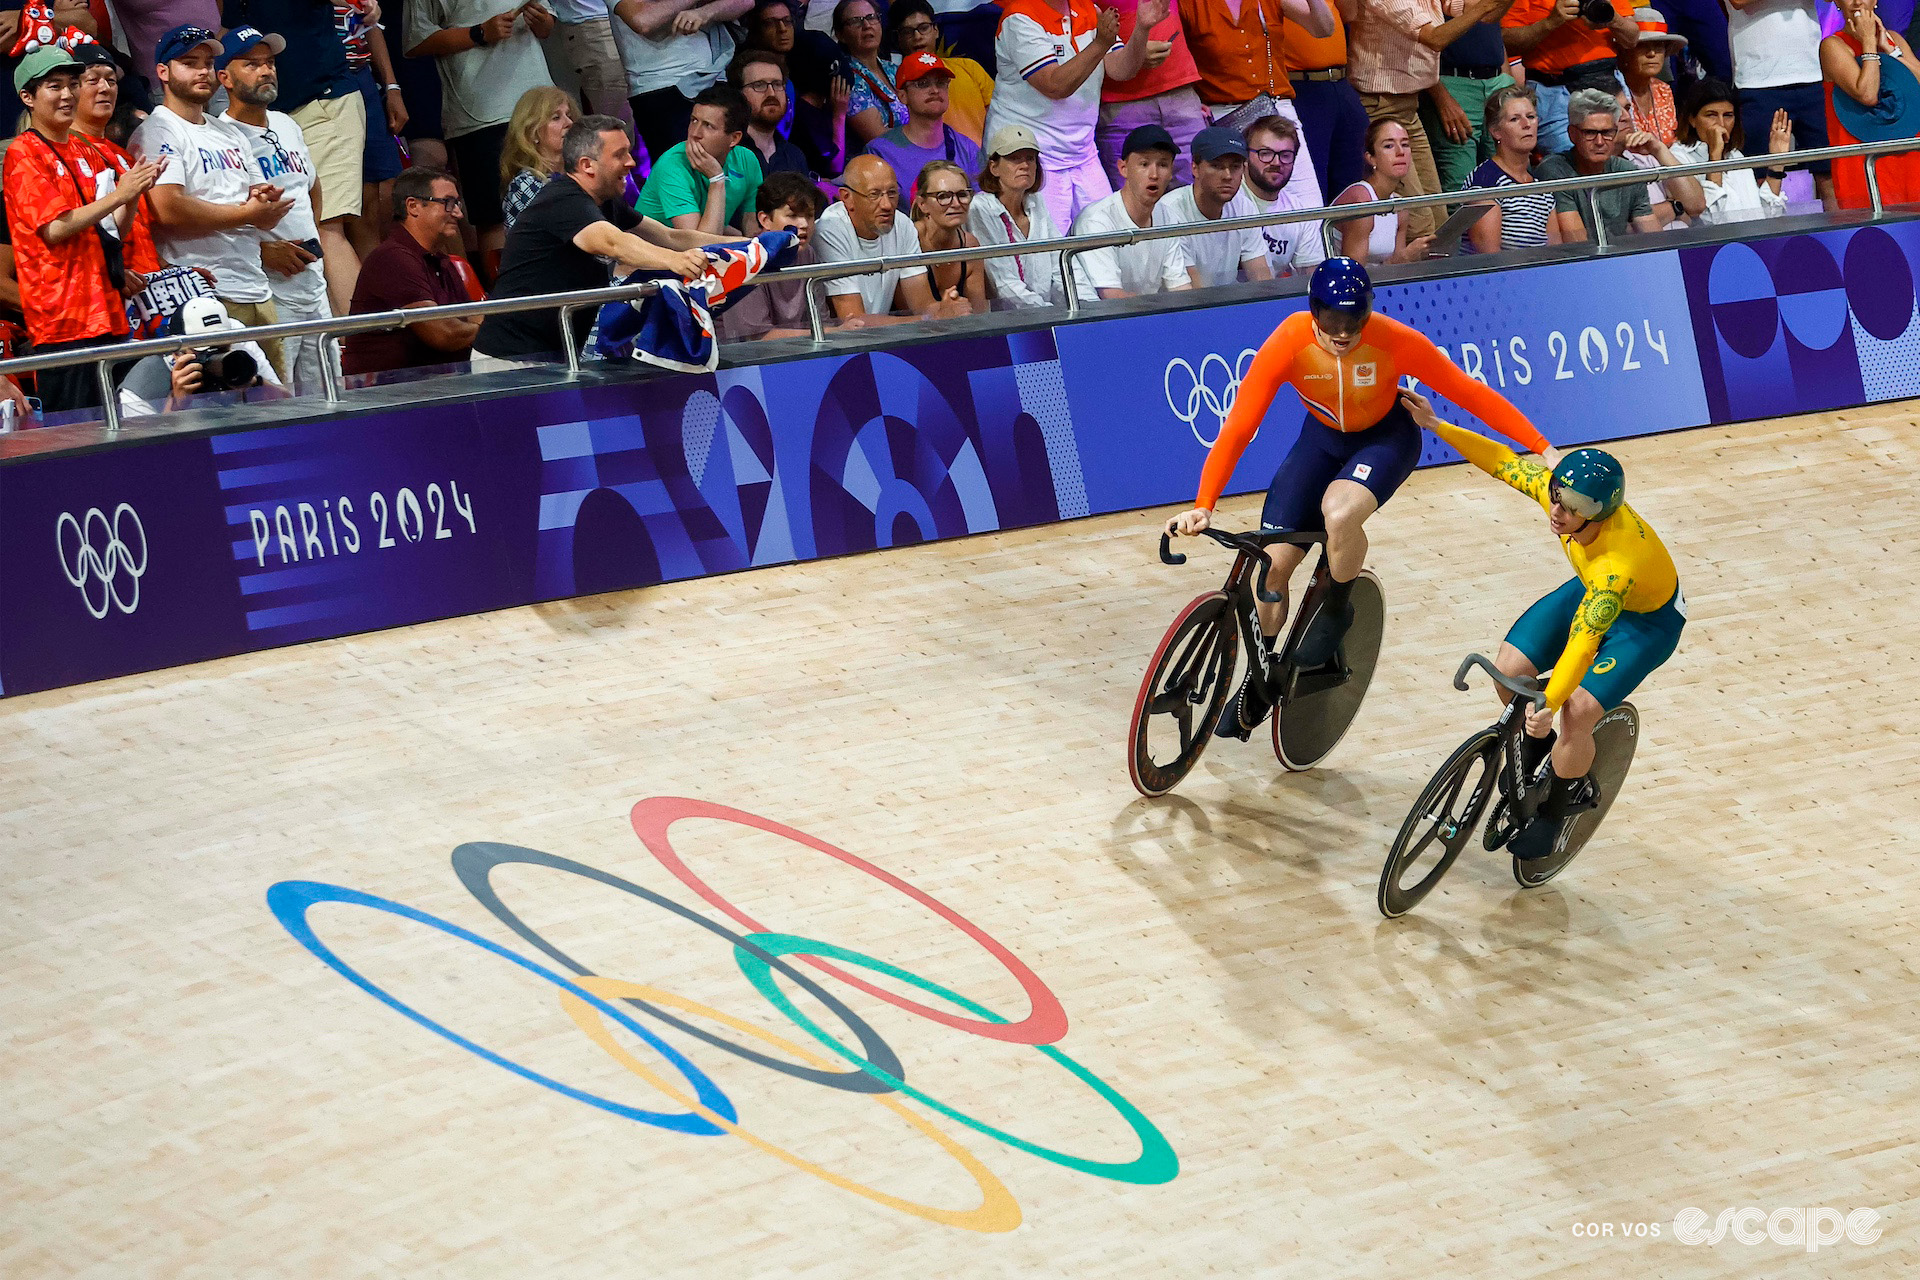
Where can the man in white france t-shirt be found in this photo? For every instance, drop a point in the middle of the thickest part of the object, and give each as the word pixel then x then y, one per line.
pixel 1217 257
pixel 209 209
pixel 280 155
pixel 1776 66
pixel 1052 57
pixel 1151 266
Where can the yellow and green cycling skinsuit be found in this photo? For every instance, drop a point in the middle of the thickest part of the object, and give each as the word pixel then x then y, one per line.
pixel 1622 614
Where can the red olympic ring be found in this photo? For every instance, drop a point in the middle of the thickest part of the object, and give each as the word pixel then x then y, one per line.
pixel 1046 1020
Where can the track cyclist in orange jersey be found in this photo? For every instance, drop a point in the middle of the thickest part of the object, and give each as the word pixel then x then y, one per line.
pixel 1602 632
pixel 1356 447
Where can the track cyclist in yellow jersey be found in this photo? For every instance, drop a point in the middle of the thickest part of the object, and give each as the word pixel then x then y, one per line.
pixel 1356 447
pixel 1601 634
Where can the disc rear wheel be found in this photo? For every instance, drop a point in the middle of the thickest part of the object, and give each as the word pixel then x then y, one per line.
pixel 1316 714
pixel 1614 741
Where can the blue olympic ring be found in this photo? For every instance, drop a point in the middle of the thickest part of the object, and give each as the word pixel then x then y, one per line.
pixel 291 900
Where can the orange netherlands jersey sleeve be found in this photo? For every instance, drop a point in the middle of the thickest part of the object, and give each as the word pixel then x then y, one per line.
pixel 1271 369
pixel 1416 355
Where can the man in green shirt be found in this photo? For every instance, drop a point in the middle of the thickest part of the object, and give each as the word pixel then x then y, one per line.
pixel 709 182
pixel 1593 121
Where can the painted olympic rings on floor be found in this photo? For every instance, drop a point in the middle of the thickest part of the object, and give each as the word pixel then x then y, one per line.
pixel 291 900
pixel 1046 1021
pixel 710 1112
pixel 474 864
pixel 1156 1161
pixel 997 1211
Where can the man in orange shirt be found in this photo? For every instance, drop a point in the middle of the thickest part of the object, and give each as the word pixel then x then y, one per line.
pixel 1568 45
pixel 1357 446
pixel 1239 47
pixel 69 217
pixel 1333 123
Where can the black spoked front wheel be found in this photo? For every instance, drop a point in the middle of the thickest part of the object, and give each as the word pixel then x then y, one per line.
pixel 1614 741
pixel 1186 685
pixel 1439 824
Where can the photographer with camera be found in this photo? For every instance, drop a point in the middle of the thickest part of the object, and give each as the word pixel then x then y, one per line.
pixel 164 384
pixel 1569 45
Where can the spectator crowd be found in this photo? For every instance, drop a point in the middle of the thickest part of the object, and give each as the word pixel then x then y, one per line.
pixel 233 163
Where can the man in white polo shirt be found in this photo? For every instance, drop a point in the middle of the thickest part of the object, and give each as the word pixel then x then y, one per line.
pixel 1217 257
pixel 866 223
pixel 1152 266
pixel 1776 67
pixel 1052 57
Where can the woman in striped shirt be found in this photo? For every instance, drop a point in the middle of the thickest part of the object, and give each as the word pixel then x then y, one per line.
pixel 1525 222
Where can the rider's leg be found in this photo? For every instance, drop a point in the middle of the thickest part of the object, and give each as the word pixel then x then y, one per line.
pixel 1345 508
pixel 1515 665
pixel 1286 558
pixel 1573 753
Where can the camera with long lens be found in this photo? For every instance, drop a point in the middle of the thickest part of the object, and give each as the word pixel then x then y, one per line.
pixel 1596 13
pixel 221 368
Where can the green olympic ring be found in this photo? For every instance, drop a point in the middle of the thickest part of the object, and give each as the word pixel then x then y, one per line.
pixel 1156 1162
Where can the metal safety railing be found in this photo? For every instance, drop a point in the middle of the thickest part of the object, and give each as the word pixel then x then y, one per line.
pixel 1067 248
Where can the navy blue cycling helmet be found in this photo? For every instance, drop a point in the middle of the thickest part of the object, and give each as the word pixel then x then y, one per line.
pixel 1340 295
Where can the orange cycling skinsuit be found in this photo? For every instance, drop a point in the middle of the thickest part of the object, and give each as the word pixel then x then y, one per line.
pixel 1356 427
pixel 1621 615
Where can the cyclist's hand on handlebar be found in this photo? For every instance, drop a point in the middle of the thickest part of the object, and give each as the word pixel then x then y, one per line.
pixel 1193 522
pixel 1539 721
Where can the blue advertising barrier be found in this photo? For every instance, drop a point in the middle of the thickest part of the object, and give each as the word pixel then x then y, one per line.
pixel 178 549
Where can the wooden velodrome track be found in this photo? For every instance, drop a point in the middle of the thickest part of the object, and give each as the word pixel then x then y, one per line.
pixel 1713 1008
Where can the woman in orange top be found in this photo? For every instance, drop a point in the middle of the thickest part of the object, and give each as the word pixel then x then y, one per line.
pixel 1356 447
pixel 1874 67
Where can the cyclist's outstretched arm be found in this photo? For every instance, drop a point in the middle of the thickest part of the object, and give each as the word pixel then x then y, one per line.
pixel 1419 357
pixel 1606 596
pixel 1263 381
pixel 1492 457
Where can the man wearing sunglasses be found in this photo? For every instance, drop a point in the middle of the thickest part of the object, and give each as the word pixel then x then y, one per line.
pixel 1357 446
pixel 1601 633
pixel 290 253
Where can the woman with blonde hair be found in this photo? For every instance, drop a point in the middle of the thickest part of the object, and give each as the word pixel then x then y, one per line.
pixel 942 195
pixel 531 154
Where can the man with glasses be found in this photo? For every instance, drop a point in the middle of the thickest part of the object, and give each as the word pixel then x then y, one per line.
pixel 291 254
pixel 1273 144
pixel 410 270
pixel 866 223
pixel 923 81
pixel 761 77
pixel 210 207
pixel 1594 122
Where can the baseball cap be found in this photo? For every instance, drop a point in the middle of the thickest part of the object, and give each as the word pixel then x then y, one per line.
pixel 90 53
pixel 918 65
pixel 183 40
pixel 40 64
pixel 1010 138
pixel 1150 137
pixel 241 39
pixel 1218 140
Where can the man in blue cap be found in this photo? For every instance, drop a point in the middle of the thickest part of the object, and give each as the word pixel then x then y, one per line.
pixel 1155 266
pixel 210 208
pixel 291 252
pixel 1219 169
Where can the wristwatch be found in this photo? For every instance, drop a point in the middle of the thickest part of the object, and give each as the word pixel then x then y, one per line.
pixel 390 88
pixel 478 34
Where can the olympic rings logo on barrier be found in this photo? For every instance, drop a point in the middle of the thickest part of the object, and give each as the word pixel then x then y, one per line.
pixel 84 564
pixel 1199 395
pixel 592 1001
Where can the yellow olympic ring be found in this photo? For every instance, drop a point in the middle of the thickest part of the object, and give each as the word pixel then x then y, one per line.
pixel 997 1211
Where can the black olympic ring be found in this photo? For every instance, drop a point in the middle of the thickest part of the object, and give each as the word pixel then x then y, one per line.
pixel 474 862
